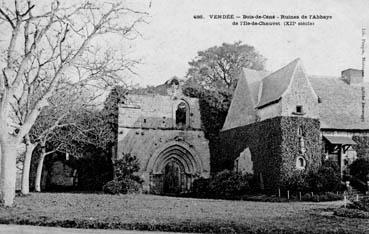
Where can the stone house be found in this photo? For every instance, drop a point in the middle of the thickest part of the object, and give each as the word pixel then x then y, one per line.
pixel 287 121
pixel 163 130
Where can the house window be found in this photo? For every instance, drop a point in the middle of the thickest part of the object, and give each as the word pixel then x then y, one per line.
pixel 300 163
pixel 299 110
pixel 181 115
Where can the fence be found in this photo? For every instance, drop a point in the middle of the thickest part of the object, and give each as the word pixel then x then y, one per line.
pixel 308 196
pixel 353 197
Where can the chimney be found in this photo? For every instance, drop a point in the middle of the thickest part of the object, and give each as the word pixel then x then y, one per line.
pixel 352 76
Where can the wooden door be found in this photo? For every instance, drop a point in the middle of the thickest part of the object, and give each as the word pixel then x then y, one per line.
pixel 172 178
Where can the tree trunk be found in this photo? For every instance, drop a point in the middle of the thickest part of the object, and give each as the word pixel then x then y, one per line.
pixel 26 167
pixel 39 171
pixel 8 173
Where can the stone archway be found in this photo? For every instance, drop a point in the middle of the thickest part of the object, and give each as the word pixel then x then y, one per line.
pixel 173 168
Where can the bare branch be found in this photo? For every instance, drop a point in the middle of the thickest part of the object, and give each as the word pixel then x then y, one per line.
pixel 7 18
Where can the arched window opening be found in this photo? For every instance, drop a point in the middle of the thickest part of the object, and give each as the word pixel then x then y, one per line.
pixel 181 115
pixel 300 133
pixel 300 163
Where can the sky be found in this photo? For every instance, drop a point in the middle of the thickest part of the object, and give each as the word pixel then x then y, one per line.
pixel 173 37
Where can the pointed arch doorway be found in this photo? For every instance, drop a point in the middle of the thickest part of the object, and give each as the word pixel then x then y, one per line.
pixel 173 168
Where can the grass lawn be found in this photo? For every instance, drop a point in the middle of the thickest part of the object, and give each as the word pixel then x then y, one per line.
pixel 148 212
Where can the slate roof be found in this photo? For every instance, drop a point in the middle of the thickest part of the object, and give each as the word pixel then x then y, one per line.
pixel 275 84
pixel 254 79
pixel 341 103
pixel 241 111
pixel 340 107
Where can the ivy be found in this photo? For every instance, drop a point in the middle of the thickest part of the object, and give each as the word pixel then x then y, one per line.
pixel 274 146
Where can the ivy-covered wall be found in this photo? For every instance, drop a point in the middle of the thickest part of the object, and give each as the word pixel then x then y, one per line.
pixel 291 145
pixel 274 145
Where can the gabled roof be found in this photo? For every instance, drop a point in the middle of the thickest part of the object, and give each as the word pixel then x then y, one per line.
pixel 341 103
pixel 254 79
pixel 275 85
pixel 340 107
pixel 241 111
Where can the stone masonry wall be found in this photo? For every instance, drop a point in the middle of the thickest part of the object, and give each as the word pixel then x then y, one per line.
pixel 301 93
pixel 144 142
pixel 147 123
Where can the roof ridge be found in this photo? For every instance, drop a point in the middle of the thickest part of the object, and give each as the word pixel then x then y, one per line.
pixel 284 76
pixel 283 68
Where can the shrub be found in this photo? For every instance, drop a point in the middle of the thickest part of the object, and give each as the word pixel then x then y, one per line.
pixel 326 179
pixel 125 181
pixel 360 169
pixel 306 197
pixel 112 187
pixel 362 204
pixel 228 184
pixel 297 182
pixel 126 166
pixel 332 164
pixel 328 196
pixel 200 187
pixel 351 213
pixel 121 186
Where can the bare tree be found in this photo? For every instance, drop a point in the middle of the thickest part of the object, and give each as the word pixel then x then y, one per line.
pixel 47 48
pixel 59 113
pixel 82 125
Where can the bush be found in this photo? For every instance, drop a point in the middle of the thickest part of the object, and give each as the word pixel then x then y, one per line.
pixel 297 182
pixel 328 196
pixel 360 169
pixel 326 179
pixel 112 187
pixel 126 166
pixel 200 187
pixel 121 186
pixel 351 213
pixel 228 184
pixel 125 181
pixel 362 204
